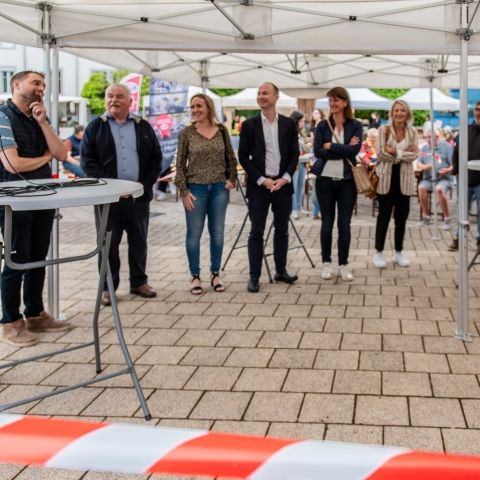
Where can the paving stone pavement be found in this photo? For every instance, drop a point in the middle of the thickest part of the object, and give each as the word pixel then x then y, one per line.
pixel 371 361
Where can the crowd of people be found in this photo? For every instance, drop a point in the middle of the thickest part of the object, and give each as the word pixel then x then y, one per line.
pixel 277 156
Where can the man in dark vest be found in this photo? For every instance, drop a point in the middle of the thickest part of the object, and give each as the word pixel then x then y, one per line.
pixel 27 145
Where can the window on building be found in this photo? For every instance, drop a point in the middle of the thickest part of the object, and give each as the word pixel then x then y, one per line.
pixel 5 76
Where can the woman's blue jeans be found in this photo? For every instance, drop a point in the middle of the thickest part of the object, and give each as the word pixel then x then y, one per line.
pixel 211 200
pixel 298 182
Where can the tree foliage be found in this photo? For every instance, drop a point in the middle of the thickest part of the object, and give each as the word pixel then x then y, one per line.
pixel 225 92
pixel 94 89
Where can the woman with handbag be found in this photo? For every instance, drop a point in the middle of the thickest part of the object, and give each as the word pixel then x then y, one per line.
pixel 397 150
pixel 337 142
pixel 206 170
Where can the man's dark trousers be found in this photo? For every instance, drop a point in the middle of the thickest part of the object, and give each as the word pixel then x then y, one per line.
pixel 30 241
pixel 132 217
pixel 258 207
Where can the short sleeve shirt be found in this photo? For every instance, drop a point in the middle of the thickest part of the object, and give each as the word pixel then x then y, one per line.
pixel 6 133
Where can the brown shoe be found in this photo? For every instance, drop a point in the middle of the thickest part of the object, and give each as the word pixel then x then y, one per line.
pixel 453 247
pixel 478 247
pixel 105 300
pixel 16 334
pixel 145 291
pixel 46 323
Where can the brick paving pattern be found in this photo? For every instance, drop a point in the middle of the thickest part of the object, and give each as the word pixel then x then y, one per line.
pixel 371 361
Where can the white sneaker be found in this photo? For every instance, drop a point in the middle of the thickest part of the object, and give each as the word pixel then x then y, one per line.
pixel 327 272
pixel 294 214
pixel 304 212
pixel 345 274
pixel 160 195
pixel 379 260
pixel 425 221
pixel 401 259
pixel 446 224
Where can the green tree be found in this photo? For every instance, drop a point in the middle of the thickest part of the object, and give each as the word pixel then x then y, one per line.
pixel 94 89
pixel 225 92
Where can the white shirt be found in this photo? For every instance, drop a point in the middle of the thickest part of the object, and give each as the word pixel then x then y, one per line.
pixel 272 149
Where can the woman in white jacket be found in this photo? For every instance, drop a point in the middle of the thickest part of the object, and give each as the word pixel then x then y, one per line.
pixel 397 150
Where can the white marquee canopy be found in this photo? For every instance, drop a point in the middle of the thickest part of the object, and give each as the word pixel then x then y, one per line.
pixel 298 44
pixel 419 99
pixel 247 99
pixel 234 43
pixel 361 98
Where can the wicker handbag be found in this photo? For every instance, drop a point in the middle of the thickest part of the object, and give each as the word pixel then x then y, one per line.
pixel 361 177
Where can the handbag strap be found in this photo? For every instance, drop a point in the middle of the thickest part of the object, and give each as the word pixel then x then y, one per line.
pixel 336 138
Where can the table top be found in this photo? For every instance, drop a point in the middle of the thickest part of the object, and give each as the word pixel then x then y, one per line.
pixel 72 196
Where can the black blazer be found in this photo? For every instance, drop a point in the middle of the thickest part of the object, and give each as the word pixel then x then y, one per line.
pixel 251 153
pixel 323 134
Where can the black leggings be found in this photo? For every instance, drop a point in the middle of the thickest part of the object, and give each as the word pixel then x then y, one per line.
pixel 394 201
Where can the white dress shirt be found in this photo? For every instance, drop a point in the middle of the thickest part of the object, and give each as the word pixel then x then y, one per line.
pixel 272 149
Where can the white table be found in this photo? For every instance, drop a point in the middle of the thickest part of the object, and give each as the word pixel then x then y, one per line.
pixel 100 195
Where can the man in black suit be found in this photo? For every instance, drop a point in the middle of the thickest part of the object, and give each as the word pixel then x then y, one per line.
pixel 269 152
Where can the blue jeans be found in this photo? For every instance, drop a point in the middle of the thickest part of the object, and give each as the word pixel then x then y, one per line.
pixel 298 183
pixel 315 203
pixel 211 200
pixel 471 192
pixel 341 194
pixel 77 170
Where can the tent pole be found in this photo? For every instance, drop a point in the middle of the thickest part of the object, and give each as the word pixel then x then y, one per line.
pixel 463 221
pixel 54 280
pixel 433 140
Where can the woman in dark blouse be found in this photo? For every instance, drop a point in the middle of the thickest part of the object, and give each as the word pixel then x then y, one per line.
pixel 206 170
pixel 337 140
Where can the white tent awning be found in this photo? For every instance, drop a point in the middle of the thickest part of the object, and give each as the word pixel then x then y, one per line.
pixel 419 99
pixel 361 99
pixel 247 99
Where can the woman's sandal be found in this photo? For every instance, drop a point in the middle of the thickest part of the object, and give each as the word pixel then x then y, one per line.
pixel 217 283
pixel 196 286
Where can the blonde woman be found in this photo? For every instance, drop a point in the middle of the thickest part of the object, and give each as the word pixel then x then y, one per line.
pixel 397 150
pixel 206 170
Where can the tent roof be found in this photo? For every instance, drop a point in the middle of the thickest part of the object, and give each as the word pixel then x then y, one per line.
pixel 239 43
pixel 419 99
pixel 248 99
pixel 361 98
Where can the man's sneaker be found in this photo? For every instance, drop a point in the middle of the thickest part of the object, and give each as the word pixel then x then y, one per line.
pixel 453 247
pixel 345 274
pixel 446 224
pixel 401 259
pixel 304 212
pixel 379 260
pixel 425 221
pixel 327 272
pixel 295 214
pixel 46 323
pixel 16 334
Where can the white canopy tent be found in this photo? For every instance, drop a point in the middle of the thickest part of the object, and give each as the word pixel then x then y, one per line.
pixel 247 100
pixel 419 99
pixel 361 98
pixel 296 44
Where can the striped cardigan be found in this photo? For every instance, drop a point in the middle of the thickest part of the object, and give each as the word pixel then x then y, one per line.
pixel 408 184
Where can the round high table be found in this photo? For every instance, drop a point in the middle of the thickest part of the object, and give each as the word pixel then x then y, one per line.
pixel 58 194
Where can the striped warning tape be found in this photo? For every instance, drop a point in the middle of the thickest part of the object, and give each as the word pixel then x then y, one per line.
pixel 126 448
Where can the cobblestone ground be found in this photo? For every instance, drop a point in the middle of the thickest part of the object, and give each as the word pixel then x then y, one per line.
pixel 371 361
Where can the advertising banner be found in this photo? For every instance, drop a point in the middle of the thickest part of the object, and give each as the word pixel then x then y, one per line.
pixel 167 114
pixel 133 82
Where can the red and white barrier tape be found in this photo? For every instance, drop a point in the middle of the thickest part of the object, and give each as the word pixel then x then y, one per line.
pixel 127 448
